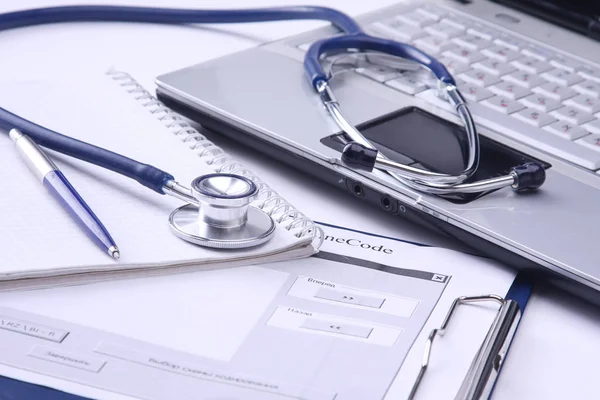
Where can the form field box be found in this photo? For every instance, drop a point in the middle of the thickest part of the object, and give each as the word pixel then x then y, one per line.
pixel 346 296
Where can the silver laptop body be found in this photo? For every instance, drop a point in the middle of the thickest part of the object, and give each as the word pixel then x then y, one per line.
pixel 261 97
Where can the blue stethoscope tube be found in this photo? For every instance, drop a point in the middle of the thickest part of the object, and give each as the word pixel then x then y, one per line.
pixel 352 38
pixel 147 175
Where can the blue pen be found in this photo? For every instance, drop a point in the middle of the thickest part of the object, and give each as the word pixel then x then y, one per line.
pixel 61 189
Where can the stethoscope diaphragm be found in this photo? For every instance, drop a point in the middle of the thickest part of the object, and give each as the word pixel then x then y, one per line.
pixel 224 218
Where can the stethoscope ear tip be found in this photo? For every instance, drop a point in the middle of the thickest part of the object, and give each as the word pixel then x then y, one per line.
pixel 359 156
pixel 528 176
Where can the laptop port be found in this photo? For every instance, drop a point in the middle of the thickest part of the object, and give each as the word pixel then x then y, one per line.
pixel 386 202
pixel 357 189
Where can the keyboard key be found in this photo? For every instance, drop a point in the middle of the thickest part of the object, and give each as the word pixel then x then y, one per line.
pixel 555 91
pixel 524 79
pixel 561 76
pixel 494 67
pixel 533 117
pixel 443 31
pixel 397 30
pixel 509 41
pixel 585 103
pixel 483 31
pixel 500 53
pixel 590 141
pixel 588 88
pixel 380 74
pixel 464 55
pixel 455 67
pixel 417 19
pixel 479 78
pixel 537 52
pixel 510 90
pixel 457 21
pixel 593 126
pixel 471 42
pixel 472 92
pixel 502 104
pixel 566 130
pixel 589 72
pixel 407 84
pixel 433 44
pixel 572 115
pixel 568 64
pixel 540 102
pixel 580 155
pixel 531 65
pixel 432 11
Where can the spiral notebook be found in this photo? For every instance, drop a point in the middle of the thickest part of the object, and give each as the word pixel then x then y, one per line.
pixel 41 246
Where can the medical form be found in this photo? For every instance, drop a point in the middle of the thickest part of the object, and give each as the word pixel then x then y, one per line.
pixel 334 326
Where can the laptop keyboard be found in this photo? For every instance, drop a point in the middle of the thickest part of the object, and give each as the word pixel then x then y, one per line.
pixel 527 92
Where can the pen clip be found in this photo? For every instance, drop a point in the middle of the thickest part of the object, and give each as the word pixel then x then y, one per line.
pixel 485 367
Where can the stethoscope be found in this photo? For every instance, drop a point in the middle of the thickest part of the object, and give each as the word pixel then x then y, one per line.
pixel 217 212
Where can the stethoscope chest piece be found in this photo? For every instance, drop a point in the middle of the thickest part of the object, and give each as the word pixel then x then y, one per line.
pixel 224 219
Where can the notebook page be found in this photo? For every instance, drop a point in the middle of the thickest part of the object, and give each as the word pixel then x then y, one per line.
pixel 42 237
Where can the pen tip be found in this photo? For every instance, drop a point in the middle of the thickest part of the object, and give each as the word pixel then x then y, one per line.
pixel 15 134
pixel 114 252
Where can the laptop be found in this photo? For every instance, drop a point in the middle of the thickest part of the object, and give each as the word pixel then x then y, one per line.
pixel 530 71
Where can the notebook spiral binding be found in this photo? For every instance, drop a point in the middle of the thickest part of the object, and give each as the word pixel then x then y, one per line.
pixel 284 213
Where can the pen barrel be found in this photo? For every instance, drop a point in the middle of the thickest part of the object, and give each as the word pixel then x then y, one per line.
pixel 35 159
pixel 71 201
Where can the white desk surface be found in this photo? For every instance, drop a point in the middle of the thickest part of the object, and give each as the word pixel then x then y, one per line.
pixel 555 351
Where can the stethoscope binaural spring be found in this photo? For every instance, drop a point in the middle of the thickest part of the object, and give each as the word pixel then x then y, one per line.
pixel 360 154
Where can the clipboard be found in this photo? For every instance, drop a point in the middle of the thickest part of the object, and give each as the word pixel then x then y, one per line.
pixel 485 367
pixel 479 382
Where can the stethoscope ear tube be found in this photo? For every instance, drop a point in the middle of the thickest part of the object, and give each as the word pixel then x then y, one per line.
pixel 361 41
pixel 151 177
pixel 361 154
pixel 522 178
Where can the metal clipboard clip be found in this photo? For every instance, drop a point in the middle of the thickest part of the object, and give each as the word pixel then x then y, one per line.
pixel 484 369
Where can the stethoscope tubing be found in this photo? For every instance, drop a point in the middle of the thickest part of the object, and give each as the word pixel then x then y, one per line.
pixel 19 19
pixel 364 42
pixel 149 176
